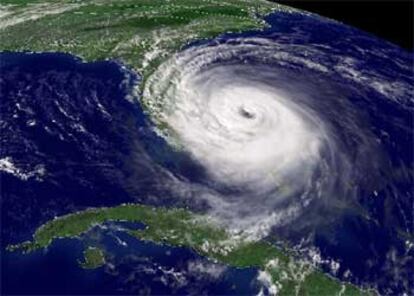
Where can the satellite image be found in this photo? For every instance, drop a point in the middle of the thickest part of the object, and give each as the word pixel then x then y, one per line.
pixel 202 147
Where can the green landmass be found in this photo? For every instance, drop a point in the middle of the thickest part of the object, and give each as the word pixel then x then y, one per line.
pixel 179 227
pixel 93 258
pixel 141 34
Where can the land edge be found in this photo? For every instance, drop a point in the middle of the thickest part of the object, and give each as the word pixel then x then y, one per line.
pixel 33 245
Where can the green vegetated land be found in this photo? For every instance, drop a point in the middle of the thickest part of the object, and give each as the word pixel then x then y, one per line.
pixel 140 33
pixel 179 227
pixel 93 258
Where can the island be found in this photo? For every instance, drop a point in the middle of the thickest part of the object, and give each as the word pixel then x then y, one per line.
pixel 93 258
pixel 180 227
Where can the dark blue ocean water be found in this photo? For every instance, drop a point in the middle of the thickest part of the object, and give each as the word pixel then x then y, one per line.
pixel 69 127
pixel 72 119
pixel 138 268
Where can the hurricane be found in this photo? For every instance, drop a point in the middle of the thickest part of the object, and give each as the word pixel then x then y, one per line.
pixel 273 141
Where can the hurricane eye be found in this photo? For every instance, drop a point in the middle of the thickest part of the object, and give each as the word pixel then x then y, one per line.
pixel 246 113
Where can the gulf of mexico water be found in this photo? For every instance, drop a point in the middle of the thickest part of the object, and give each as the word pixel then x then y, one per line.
pixel 72 140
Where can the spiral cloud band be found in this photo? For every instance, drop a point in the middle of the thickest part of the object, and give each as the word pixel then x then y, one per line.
pixel 258 127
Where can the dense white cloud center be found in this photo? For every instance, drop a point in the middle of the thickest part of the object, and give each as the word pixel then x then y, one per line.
pixel 237 121
pixel 244 133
